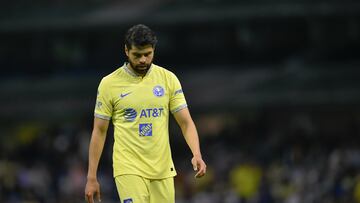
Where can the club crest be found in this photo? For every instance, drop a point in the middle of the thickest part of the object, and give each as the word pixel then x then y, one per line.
pixel 158 91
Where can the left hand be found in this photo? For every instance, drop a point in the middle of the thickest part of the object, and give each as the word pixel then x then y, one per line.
pixel 199 166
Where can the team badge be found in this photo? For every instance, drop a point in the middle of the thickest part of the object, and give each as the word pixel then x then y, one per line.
pixel 158 91
pixel 128 200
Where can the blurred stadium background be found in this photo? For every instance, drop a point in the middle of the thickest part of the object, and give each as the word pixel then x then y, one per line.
pixel 273 87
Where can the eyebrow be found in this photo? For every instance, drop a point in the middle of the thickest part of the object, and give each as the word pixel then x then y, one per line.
pixel 139 53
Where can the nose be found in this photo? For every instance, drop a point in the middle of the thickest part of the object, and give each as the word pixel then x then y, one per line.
pixel 142 59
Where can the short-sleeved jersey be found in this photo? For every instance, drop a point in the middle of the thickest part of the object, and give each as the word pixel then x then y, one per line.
pixel 139 109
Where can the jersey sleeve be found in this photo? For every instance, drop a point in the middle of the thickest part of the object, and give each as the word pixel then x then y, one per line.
pixel 103 107
pixel 177 98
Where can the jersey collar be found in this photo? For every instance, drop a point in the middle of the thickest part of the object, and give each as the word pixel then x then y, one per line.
pixel 132 73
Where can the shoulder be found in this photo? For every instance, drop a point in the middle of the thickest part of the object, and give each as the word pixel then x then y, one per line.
pixel 111 77
pixel 163 71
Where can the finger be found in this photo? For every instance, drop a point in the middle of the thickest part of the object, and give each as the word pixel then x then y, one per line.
pixel 199 174
pixel 90 198
pixel 86 197
pixel 196 175
pixel 204 169
pixel 194 164
pixel 201 171
pixel 98 196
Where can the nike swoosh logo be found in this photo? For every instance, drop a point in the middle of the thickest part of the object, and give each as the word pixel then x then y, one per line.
pixel 124 95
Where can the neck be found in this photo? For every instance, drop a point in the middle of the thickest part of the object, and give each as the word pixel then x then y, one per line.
pixel 129 66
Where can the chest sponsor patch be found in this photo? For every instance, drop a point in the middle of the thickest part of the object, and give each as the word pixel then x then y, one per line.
pixel 130 114
pixel 151 112
pixel 145 129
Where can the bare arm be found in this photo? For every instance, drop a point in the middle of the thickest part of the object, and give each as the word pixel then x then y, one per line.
pixel 184 120
pixel 95 149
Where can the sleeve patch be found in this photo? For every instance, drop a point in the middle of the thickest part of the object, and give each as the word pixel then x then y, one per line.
pixel 180 91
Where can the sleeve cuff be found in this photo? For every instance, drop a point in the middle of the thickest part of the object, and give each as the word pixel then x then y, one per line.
pixel 102 117
pixel 179 108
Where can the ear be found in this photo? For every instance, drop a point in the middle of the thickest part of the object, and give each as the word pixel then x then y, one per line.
pixel 126 51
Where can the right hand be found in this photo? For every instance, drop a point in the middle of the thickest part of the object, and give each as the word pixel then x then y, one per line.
pixel 199 166
pixel 92 188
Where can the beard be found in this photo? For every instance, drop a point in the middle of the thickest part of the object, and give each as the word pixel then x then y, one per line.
pixel 140 69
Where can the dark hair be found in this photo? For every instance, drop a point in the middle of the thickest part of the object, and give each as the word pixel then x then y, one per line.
pixel 140 35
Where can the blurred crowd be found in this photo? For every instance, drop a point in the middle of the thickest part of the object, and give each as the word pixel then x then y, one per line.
pixel 252 161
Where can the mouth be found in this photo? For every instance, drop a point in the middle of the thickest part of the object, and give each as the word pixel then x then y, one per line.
pixel 142 67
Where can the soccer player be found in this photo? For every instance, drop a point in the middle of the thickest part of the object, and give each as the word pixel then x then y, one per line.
pixel 138 97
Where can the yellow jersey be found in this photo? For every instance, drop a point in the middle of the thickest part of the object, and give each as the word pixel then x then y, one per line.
pixel 139 109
